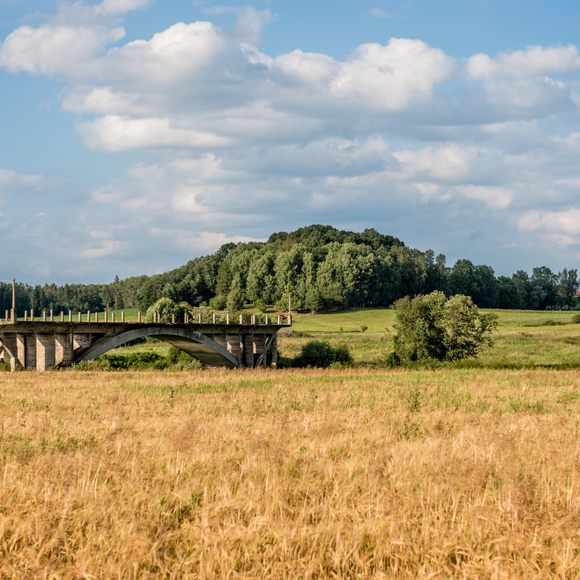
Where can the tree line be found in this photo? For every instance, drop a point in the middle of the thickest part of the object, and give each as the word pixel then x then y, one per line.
pixel 316 268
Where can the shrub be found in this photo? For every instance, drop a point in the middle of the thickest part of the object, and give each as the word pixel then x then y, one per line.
pixel 202 313
pixel 218 302
pixel 166 309
pixel 136 360
pixel 180 359
pixel 576 319
pixel 321 354
pixel 434 328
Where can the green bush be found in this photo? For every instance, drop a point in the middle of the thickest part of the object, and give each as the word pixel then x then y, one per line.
pixel 167 310
pixel 321 354
pixel 218 302
pixel 203 313
pixel 435 328
pixel 136 360
pixel 179 359
pixel 576 319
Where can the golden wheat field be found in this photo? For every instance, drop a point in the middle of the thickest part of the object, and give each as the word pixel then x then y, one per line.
pixel 310 474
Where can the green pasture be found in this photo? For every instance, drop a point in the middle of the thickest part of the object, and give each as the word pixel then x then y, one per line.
pixel 524 339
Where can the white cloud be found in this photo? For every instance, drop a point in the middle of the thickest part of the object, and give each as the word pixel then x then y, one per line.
pixel 534 61
pixel 393 76
pixel 240 143
pixel 562 227
pixel 448 163
pixel 308 67
pixel 100 100
pixel 493 197
pixel 116 133
pixel 111 7
pixel 171 56
pixel 54 49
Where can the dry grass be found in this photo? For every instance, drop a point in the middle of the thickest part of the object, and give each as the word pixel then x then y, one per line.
pixel 310 474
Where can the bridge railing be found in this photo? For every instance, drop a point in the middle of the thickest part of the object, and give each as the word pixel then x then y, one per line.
pixel 92 317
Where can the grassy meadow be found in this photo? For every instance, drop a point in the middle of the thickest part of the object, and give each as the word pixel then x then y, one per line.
pixel 524 339
pixel 471 473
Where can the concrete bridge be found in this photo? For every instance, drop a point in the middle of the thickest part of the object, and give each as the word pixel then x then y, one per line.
pixel 43 344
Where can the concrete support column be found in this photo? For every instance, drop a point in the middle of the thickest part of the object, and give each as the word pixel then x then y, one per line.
pixel 44 352
pixel 274 359
pixel 11 351
pixel 234 345
pixel 63 353
pixel 21 350
pixel 30 351
pixel 259 347
pixel 248 356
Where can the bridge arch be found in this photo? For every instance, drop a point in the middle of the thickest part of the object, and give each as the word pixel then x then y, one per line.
pixel 194 343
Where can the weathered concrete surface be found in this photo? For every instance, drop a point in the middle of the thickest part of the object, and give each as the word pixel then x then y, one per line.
pixel 41 345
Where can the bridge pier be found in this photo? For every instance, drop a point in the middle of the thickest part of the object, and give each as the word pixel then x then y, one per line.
pixel 11 351
pixel 45 352
pixel 30 351
pixel 64 354
pixel 234 346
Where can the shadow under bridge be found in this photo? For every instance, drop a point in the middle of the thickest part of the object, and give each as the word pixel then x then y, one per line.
pixel 194 343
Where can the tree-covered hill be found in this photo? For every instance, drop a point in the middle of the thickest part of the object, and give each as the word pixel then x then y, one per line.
pixel 317 268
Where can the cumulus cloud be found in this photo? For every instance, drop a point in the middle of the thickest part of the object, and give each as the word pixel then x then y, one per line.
pixel 493 197
pixel 115 133
pixel 55 49
pixel 110 7
pixel 232 142
pixel 534 61
pixel 393 76
pixel 449 163
pixel 562 227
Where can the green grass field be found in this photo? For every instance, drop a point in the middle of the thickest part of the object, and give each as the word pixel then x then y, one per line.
pixel 524 339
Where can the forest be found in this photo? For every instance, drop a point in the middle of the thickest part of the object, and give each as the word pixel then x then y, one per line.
pixel 317 268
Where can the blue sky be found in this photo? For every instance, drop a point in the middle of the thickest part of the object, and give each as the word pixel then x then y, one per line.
pixel 137 134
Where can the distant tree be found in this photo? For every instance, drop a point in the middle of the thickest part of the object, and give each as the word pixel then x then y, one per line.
pixel 235 299
pixel 543 288
pixel 507 293
pixel 166 309
pixel 486 287
pixel 463 278
pixel 432 327
pixel 568 285
pixel 521 282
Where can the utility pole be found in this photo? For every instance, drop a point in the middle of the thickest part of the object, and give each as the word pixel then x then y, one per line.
pixel 13 313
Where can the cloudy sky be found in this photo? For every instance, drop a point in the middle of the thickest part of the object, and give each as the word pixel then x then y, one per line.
pixel 137 134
